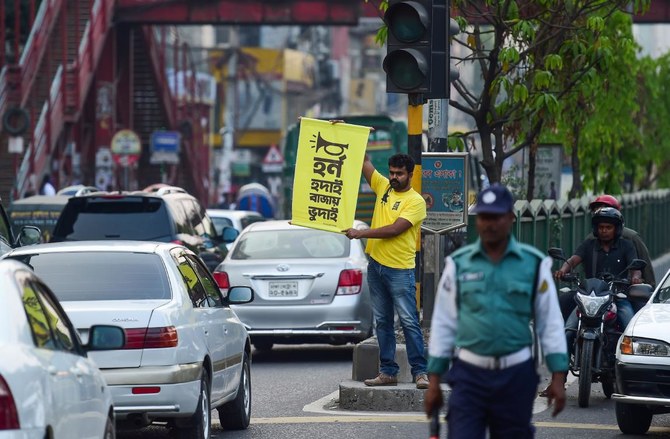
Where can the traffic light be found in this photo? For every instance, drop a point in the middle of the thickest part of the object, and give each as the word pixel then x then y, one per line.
pixel 454 30
pixel 416 57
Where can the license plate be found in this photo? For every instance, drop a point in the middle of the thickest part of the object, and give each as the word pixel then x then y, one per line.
pixel 283 289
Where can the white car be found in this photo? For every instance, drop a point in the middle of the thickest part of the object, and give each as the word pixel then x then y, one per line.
pixel 49 388
pixel 186 351
pixel 643 362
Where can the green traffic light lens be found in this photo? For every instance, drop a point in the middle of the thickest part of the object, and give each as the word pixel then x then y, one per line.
pixel 407 21
pixel 405 69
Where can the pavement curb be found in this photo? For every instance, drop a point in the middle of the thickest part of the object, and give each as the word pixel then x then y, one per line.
pixel 405 397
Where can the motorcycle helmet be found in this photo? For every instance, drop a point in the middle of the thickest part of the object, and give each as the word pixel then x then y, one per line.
pixel 607 215
pixel 605 201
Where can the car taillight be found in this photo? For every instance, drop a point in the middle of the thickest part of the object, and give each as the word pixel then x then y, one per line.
pixel 221 278
pixel 177 241
pixel 9 418
pixel 350 282
pixel 149 338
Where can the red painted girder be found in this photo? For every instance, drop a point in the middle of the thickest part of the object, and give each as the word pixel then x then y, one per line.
pixel 334 12
pixel 659 12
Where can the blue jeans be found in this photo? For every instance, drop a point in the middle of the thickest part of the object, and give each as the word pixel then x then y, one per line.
pixel 393 288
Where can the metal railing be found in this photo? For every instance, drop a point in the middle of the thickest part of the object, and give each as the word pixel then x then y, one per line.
pixel 566 223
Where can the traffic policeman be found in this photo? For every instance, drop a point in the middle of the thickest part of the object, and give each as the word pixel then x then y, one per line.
pixel 488 294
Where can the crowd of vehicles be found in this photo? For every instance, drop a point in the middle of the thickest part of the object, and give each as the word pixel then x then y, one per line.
pixel 167 298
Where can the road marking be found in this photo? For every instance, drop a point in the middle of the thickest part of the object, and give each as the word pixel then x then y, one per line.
pixel 420 418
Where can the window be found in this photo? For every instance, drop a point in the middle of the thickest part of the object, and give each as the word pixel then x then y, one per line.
pixel 37 319
pixel 77 276
pixel 291 244
pixel 210 287
pixel 48 323
pixel 196 291
pixel 57 321
pixel 140 218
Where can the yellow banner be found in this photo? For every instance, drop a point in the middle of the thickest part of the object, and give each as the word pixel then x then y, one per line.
pixel 328 174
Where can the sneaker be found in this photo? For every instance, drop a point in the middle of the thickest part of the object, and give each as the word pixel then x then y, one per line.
pixel 382 380
pixel 421 381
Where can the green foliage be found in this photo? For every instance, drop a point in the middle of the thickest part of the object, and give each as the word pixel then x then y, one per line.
pixel 562 72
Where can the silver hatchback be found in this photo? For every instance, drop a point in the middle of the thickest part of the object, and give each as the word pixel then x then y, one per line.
pixel 310 285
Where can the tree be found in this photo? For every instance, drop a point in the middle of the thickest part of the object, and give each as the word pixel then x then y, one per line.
pixel 597 116
pixel 532 55
pixel 534 58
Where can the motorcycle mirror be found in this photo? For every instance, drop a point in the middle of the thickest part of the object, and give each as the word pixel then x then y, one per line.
pixel 636 264
pixel 557 253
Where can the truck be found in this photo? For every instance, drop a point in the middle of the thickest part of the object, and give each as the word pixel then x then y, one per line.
pixel 389 137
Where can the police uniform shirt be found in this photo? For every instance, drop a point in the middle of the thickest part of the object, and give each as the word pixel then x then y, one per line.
pixel 487 307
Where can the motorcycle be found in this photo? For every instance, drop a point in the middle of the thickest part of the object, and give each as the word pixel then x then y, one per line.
pixel 598 331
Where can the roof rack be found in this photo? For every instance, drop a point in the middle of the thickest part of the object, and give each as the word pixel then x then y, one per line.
pixel 170 190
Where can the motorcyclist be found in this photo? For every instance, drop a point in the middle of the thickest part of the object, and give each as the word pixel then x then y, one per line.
pixel 607 254
pixel 567 300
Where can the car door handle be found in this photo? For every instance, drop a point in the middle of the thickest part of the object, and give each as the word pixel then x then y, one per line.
pixel 52 370
pixel 76 372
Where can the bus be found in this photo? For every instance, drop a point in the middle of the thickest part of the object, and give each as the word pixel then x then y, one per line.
pixel 389 137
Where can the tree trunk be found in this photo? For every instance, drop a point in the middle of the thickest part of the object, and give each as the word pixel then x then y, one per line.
pixel 577 188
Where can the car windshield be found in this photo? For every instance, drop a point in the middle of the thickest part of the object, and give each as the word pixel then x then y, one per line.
pixel 142 219
pixel 85 276
pixel 291 244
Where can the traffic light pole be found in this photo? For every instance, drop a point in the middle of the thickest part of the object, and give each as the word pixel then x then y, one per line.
pixel 414 134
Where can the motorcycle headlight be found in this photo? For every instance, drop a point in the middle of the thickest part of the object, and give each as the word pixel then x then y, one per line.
pixel 592 303
pixel 644 346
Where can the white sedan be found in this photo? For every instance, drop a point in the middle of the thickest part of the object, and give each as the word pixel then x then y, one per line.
pixel 48 385
pixel 643 362
pixel 186 351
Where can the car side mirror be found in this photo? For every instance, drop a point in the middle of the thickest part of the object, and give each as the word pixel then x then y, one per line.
pixel 240 295
pixel 29 235
pixel 229 234
pixel 105 337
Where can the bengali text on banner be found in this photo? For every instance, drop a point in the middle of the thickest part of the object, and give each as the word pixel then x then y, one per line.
pixel 328 174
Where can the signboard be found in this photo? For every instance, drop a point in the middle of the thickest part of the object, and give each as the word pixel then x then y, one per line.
pixel 126 148
pixel 548 164
pixel 444 186
pixel 126 142
pixel 125 160
pixel 273 161
pixel 164 146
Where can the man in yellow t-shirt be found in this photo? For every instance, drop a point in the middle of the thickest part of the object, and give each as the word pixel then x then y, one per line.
pixel 392 242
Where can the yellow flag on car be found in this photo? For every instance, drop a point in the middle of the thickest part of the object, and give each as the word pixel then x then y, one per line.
pixel 328 174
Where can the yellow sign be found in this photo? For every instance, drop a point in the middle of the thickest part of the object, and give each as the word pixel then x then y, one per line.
pixel 328 174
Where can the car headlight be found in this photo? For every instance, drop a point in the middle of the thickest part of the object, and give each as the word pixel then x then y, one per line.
pixel 644 346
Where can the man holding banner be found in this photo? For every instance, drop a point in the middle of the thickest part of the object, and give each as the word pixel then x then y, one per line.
pixel 392 243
